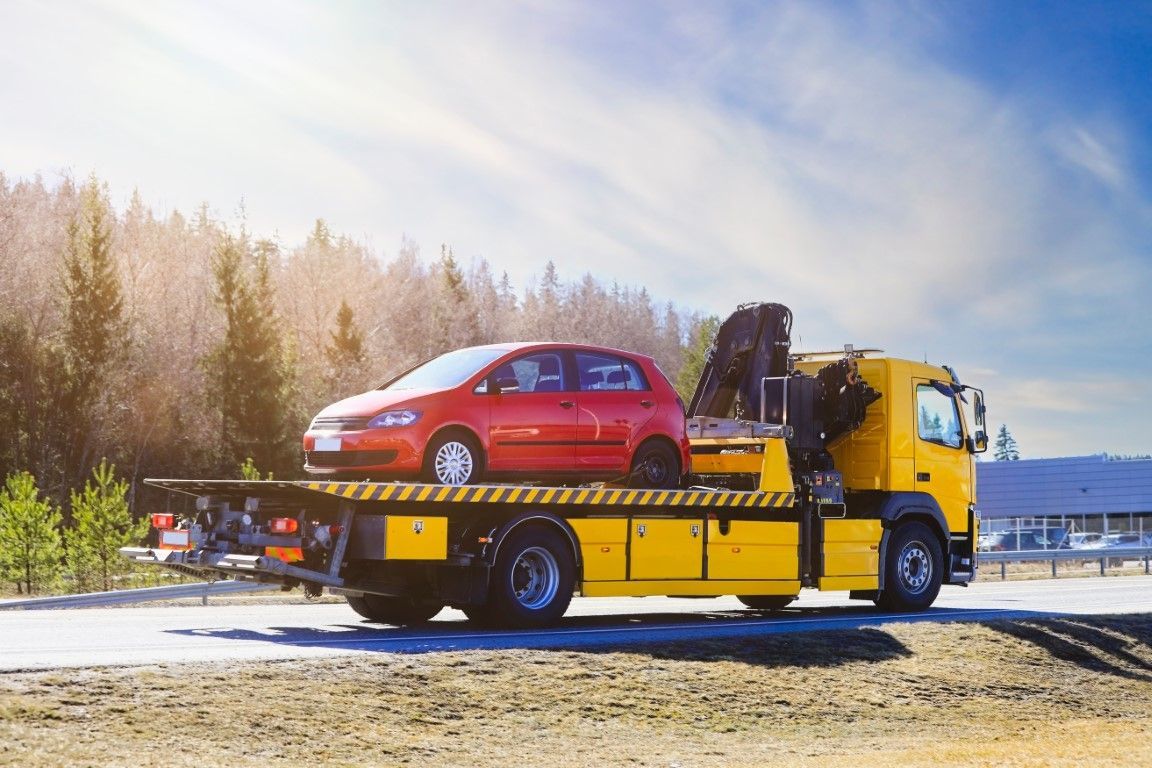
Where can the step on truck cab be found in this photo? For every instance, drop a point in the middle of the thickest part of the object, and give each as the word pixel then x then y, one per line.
pixel 835 471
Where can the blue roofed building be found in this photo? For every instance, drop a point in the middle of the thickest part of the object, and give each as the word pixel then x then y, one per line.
pixel 1091 492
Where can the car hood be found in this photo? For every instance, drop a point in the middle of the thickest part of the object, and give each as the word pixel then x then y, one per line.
pixel 369 404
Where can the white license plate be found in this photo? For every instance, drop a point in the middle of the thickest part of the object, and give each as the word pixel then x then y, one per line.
pixel 327 444
pixel 175 540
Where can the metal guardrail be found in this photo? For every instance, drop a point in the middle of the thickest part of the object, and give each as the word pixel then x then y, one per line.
pixel 1082 554
pixel 201 590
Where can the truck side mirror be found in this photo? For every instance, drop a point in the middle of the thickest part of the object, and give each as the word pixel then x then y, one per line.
pixel 978 443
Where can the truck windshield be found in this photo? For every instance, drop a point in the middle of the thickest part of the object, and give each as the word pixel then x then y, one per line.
pixel 448 370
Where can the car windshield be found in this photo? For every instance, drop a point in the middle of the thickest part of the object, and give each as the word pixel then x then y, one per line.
pixel 448 370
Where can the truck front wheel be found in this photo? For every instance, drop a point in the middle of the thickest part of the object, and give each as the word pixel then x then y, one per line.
pixel 913 570
pixel 532 581
pixel 401 611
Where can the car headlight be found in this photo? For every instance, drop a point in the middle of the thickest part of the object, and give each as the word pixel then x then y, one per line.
pixel 393 419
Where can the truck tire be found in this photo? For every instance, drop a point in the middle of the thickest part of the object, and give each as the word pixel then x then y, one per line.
pixel 655 465
pixel 532 581
pixel 453 458
pixel 766 602
pixel 401 611
pixel 913 569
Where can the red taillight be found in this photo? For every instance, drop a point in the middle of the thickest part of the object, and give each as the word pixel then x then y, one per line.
pixel 164 520
pixel 335 529
pixel 283 525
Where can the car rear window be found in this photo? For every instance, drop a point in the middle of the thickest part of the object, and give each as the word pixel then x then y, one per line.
pixel 449 370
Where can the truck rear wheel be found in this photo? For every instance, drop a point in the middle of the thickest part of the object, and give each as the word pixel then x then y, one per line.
pixel 766 602
pixel 913 570
pixel 401 611
pixel 532 581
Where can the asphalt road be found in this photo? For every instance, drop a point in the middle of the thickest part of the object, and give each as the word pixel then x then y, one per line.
pixel 195 633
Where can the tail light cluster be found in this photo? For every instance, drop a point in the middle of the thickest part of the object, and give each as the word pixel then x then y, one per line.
pixel 164 523
pixel 167 537
pixel 283 525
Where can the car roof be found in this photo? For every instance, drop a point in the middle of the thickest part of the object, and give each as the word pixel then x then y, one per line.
pixel 518 346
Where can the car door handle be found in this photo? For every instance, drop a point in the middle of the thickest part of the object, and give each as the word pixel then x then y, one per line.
pixel 647 403
pixel 566 403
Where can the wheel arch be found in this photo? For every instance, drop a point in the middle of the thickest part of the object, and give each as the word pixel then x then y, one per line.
pixel 897 509
pixel 456 428
pixel 531 518
pixel 660 437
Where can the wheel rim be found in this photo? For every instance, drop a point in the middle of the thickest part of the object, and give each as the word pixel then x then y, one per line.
pixel 535 578
pixel 453 463
pixel 655 469
pixel 915 567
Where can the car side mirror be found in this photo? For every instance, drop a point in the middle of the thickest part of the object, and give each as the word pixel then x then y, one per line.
pixel 505 386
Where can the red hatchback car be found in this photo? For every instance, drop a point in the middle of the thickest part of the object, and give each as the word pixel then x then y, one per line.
pixel 540 411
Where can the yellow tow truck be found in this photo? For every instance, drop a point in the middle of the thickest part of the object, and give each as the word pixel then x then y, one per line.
pixel 834 471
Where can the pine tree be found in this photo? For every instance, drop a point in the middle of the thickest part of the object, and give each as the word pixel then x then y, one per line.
pixel 249 371
pixel 92 289
pixel 455 324
pixel 543 316
pixel 95 332
pixel 34 406
pixel 345 354
pixel 31 554
pixel 1004 448
pixel 101 524
pixel 249 471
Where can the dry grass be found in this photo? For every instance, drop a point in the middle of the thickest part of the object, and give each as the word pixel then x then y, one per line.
pixel 1049 692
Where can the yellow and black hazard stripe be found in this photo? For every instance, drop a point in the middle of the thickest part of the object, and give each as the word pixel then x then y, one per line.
pixel 512 494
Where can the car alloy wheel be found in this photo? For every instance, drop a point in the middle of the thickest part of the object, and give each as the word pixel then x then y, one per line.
pixel 454 464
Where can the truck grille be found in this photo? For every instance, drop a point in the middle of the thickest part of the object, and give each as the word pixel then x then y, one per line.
pixel 348 458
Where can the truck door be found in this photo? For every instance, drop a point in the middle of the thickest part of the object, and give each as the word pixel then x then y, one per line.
pixel 942 462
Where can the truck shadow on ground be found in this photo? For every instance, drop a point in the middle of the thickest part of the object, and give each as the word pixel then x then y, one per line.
pixel 1118 645
pixel 794 637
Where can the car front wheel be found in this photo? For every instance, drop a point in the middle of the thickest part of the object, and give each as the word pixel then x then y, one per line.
pixel 452 459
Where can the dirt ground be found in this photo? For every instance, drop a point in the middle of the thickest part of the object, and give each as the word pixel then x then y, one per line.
pixel 1029 693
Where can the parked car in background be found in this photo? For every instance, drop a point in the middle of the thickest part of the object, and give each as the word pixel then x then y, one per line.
pixel 1024 539
pixel 537 411
pixel 1120 541
pixel 1083 539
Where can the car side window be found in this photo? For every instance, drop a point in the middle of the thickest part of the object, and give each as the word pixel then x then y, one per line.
pixel 539 372
pixel 600 372
pixel 937 421
pixel 634 377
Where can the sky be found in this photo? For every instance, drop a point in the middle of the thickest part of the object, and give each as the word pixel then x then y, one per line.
pixel 967 183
